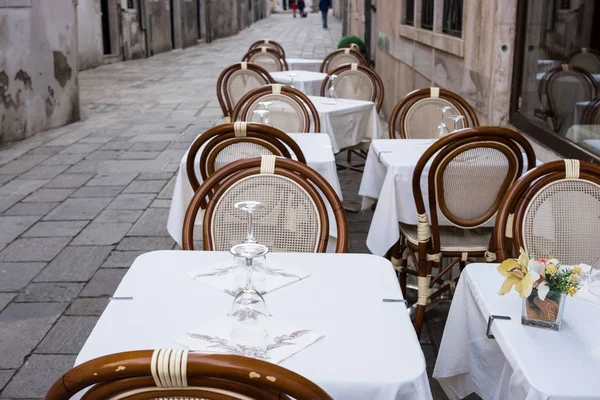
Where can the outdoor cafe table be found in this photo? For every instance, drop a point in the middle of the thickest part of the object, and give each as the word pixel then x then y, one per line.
pixel 522 362
pixel 387 179
pixel 304 64
pixel 348 122
pixel 317 151
pixel 308 82
pixel 369 350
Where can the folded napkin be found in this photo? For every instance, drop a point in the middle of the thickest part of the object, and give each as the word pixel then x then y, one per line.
pixel 284 340
pixel 221 276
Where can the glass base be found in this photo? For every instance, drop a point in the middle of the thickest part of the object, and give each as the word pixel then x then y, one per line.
pixel 546 314
pixel 555 326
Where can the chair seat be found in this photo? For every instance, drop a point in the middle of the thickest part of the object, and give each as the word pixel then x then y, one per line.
pixel 454 239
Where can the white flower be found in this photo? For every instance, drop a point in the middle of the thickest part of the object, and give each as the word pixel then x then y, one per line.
pixel 537 270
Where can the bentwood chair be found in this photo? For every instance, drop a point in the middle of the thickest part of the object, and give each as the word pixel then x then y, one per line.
pixel 591 113
pixel 295 218
pixel 237 80
pixel 290 109
pixel 269 59
pixel 466 174
pixel 587 59
pixel 553 211
pixel 269 44
pixel 419 113
pixel 356 82
pixel 560 89
pixel 340 57
pixel 226 143
pixel 353 46
pixel 181 374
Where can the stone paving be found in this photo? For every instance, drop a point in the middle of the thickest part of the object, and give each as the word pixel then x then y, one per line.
pixel 79 203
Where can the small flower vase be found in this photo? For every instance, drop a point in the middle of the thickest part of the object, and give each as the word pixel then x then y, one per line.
pixel 547 314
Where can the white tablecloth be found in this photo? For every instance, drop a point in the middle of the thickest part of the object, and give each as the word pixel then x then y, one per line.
pixel 387 178
pixel 308 82
pixel 580 133
pixel 593 145
pixel 317 151
pixel 348 122
pixel 304 64
pixel 370 350
pixel 522 362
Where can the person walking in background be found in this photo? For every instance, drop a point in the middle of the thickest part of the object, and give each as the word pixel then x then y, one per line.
pixel 324 6
pixel 300 4
pixel 294 8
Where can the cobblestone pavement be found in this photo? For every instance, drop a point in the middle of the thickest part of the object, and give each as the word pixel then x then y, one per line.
pixel 79 203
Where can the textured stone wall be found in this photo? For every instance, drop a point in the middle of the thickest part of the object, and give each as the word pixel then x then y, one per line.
pixel 227 17
pixel 158 25
pixel 89 35
pixel 38 67
pixel 189 22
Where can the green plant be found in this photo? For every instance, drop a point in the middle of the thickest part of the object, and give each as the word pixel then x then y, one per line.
pixel 346 40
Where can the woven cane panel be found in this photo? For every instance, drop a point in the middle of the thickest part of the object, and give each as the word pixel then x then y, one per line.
pixel 241 82
pixel 472 183
pixel 425 116
pixel 588 61
pixel 341 59
pixel 354 85
pixel 566 89
pixel 268 61
pixel 563 221
pixel 285 114
pixel 238 151
pixel 289 223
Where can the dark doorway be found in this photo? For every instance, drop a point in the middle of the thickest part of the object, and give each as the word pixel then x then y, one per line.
pixel 105 27
pixel 172 25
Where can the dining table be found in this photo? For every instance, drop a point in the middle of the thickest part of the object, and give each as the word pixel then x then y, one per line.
pixel 387 182
pixel 317 150
pixel 517 362
pixel 368 348
pixel 308 82
pixel 304 64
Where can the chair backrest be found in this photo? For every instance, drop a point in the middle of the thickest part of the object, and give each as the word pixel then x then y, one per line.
pixel 295 217
pixel 226 143
pixel 290 110
pixel 469 172
pixel 553 211
pixel 165 373
pixel 269 59
pixel 560 89
pixel 591 113
pixel 419 113
pixel 270 44
pixel 237 80
pixel 354 81
pixel 340 57
pixel 587 59
pixel 353 46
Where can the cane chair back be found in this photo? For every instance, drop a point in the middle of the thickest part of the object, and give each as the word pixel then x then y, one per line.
pixel 587 59
pixel 237 80
pixel 267 58
pixel 269 44
pixel 290 109
pixel 353 46
pixel 340 57
pixel 553 211
pixel 591 113
pixel 226 143
pixel 181 374
pixel 560 89
pixel 354 81
pixel 419 113
pixel 295 217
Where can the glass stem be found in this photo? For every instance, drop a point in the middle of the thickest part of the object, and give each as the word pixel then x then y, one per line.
pixel 249 281
pixel 250 235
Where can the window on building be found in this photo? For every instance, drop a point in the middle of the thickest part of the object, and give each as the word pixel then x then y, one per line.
pixel 427 14
pixel 409 12
pixel 556 77
pixel 453 14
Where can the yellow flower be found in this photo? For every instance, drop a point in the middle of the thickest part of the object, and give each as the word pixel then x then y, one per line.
pixel 551 269
pixel 517 275
pixel 574 278
pixel 577 270
pixel 571 291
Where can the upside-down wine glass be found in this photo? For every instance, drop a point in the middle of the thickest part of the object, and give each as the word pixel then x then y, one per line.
pixel 250 207
pixel 292 76
pixel 249 308
pixel 442 129
pixel 266 104
pixel 331 93
pixel 456 119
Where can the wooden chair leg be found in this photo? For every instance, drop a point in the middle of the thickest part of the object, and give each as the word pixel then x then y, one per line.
pixel 419 318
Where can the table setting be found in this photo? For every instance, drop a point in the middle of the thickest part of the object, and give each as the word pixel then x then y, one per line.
pixel 514 324
pixel 296 310
pixel 308 82
pixel 304 64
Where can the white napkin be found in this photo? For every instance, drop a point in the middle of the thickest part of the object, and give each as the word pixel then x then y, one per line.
pixel 284 340
pixel 221 276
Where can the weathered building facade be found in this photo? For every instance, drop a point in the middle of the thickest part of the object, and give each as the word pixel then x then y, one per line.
pixel 38 67
pixel 493 53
